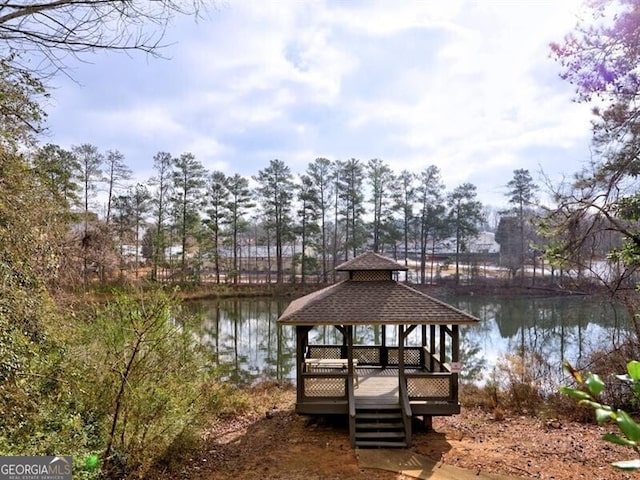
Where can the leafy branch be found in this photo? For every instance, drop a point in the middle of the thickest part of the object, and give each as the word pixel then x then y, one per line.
pixel 587 392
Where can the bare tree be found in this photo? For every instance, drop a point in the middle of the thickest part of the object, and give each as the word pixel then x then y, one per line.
pixel 41 36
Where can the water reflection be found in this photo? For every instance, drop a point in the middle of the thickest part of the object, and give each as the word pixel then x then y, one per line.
pixel 545 330
pixel 245 340
pixel 249 346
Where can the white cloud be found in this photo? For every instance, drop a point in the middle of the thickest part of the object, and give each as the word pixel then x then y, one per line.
pixel 149 121
pixel 383 18
pixel 462 84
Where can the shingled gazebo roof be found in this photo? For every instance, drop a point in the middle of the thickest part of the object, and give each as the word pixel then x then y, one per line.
pixel 370 261
pixel 355 302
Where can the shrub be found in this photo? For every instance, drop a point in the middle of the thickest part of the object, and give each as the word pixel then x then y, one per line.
pixel 145 378
pixel 587 393
pixel 472 395
pixel 520 381
pixel 608 364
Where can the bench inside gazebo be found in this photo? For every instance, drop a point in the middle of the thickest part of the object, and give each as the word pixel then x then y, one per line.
pixel 381 387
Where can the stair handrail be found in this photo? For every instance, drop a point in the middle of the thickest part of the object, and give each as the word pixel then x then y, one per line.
pixel 352 410
pixel 405 405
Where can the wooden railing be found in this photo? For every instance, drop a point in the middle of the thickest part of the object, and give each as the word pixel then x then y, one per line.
pixel 405 404
pixel 367 355
pixel 439 386
pixel 433 363
pixel 352 411
pixel 325 384
pixel 436 383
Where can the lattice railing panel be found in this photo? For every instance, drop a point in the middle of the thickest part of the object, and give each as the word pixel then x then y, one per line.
pixel 411 357
pixel 428 387
pixel 371 276
pixel 367 355
pixel 324 387
pixel 325 352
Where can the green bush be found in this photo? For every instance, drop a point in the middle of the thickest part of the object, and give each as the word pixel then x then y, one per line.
pixel 121 388
pixel 39 412
pixel 144 377
pixel 608 363
pixel 587 393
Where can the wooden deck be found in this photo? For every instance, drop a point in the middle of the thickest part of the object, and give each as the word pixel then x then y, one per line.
pixel 377 385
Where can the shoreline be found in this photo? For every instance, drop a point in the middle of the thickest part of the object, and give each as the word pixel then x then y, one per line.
pixel 442 289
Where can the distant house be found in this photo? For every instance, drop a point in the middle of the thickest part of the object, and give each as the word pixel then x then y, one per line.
pixel 173 251
pixel 128 253
pixel 257 257
pixel 484 242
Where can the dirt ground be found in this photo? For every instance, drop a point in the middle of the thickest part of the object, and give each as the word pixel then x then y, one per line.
pixel 276 443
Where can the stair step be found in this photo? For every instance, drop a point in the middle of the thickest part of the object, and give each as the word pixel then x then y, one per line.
pixel 378 416
pixel 388 434
pixel 374 444
pixel 377 407
pixel 379 425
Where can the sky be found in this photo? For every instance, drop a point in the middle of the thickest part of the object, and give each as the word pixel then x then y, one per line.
pixel 468 86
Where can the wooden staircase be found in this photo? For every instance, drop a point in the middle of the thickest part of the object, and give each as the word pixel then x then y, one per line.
pixel 379 426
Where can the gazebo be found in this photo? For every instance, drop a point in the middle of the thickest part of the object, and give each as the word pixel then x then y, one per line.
pixel 380 387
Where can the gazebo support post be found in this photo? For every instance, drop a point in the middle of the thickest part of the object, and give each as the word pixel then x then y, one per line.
pixel 405 334
pixel 342 329
pixel 350 387
pixel 443 346
pixel 427 422
pixel 423 354
pixel 349 336
pixel 401 352
pixel 302 340
pixel 383 350
pixel 432 347
pixel 405 404
pixel 455 357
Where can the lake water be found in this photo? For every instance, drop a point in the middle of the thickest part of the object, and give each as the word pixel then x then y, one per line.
pixel 249 346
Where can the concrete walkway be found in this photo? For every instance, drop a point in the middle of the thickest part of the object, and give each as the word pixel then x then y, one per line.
pixel 418 466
